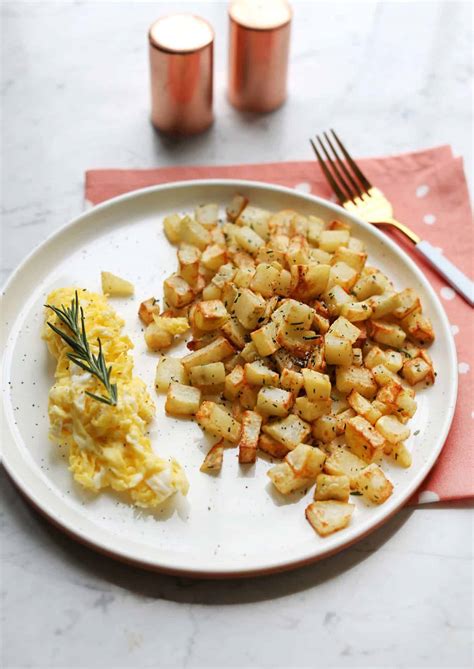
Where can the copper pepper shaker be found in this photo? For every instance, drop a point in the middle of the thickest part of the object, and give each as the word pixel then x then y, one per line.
pixel 181 70
pixel 258 53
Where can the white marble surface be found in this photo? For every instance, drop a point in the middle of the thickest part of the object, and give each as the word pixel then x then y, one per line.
pixel 390 77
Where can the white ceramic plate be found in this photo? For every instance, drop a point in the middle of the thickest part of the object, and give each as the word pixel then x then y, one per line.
pixel 233 524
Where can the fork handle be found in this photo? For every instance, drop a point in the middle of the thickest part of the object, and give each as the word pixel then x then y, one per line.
pixel 459 281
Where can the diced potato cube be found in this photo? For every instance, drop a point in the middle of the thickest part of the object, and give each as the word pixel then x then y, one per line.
pixel 229 294
pixel 172 227
pixel 178 293
pixel 383 305
pixel 362 439
pixel 329 516
pixel 309 281
pixel 211 292
pixel 249 308
pixel 356 245
pixel 213 257
pixel 285 480
pixel 342 418
pixel 357 357
pixel 337 351
pixel 207 376
pixel 400 454
pixel 306 461
pixel 355 378
pixel 243 277
pixel 391 429
pixel 212 463
pixel 316 385
pixel 235 207
pixel 408 301
pixel 207 214
pixel 417 370
pixel 265 339
pixel 283 284
pixel 368 285
pixel 194 233
pixel 157 338
pixel 234 382
pixel 342 462
pixel 249 353
pixel 147 309
pixel 311 411
pixel 393 360
pixel 265 279
pixel 182 400
pixel 258 374
pixel 342 275
pixel 255 218
pixel 335 298
pixel 169 370
pixel 373 484
pixel 248 396
pixel 210 314
pixel 272 447
pixel 289 431
pixel 398 399
pixel 291 380
pixel 332 487
pixel 375 357
pixel 383 375
pixel 388 334
pixel 251 424
pixel 249 240
pixel 188 259
pixel 315 227
pixel 418 327
pixel 355 259
pixel 319 256
pixel 344 329
pixel 363 407
pixel 356 311
pixel 217 350
pixel 114 286
pixel 235 332
pixel 274 402
pixel 297 253
pixel 214 419
pixel 224 274
pixel 331 240
pixel 325 428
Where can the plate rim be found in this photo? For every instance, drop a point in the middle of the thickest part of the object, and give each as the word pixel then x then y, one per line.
pixel 285 564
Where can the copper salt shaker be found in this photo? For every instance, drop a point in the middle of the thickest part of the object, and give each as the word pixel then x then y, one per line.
pixel 258 53
pixel 181 69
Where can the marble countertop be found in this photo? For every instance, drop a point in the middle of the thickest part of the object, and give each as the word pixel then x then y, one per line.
pixel 391 77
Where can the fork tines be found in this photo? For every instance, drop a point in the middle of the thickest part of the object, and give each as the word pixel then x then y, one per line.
pixel 346 185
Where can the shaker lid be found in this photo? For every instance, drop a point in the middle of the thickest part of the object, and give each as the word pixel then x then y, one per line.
pixel 181 33
pixel 260 14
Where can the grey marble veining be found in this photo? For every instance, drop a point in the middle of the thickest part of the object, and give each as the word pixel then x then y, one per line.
pixel 391 77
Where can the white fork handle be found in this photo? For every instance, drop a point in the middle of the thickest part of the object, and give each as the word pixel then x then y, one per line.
pixel 459 281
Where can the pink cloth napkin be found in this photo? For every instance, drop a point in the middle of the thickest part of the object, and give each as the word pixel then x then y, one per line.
pixel 429 193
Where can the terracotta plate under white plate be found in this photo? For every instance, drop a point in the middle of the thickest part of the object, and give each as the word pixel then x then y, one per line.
pixel 233 524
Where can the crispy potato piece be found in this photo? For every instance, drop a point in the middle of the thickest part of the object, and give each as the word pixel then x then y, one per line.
pixel 311 411
pixel 249 240
pixel 207 376
pixel 391 429
pixel 337 351
pixel 249 308
pixel 213 257
pixel 291 380
pixel 416 370
pixel 210 314
pixel 168 370
pixel 251 424
pixel 327 517
pixel 306 461
pixel 373 484
pixel 332 487
pixel 363 407
pixel 289 431
pixel 317 386
pixel 157 338
pixel 172 228
pixel 285 480
pixel 147 309
pixel 211 292
pixel 256 219
pixel 234 332
pixel 234 382
pixel 355 259
pixel 194 233
pixel 398 399
pixel 342 275
pixel 178 293
pixel 274 402
pixel 388 334
pixel 272 447
pixel 355 378
pixel 212 463
pixel 331 240
pixel 325 428
pixel 182 400
pixel 265 279
pixel 258 374
pixel 399 453
pixel 383 305
pixel 418 327
pixel 265 339
pixel 408 301
pixel 214 419
pixel 236 207
pixel 335 298
pixel 248 396
pixel 188 259
pixel 215 351
pixel 363 439
pixel 356 311
pixel 207 214
pixel 309 280
pixel 342 462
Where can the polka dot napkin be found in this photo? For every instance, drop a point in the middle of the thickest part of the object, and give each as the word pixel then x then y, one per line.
pixel 429 193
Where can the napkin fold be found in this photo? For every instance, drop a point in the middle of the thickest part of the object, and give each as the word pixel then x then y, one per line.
pixel 429 192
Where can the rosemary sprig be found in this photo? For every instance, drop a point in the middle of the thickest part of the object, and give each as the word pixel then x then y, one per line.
pixel 81 354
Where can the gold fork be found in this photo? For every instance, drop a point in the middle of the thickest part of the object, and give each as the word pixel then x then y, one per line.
pixel 356 194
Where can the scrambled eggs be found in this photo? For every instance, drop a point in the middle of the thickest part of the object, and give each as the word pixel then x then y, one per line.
pixel 108 445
